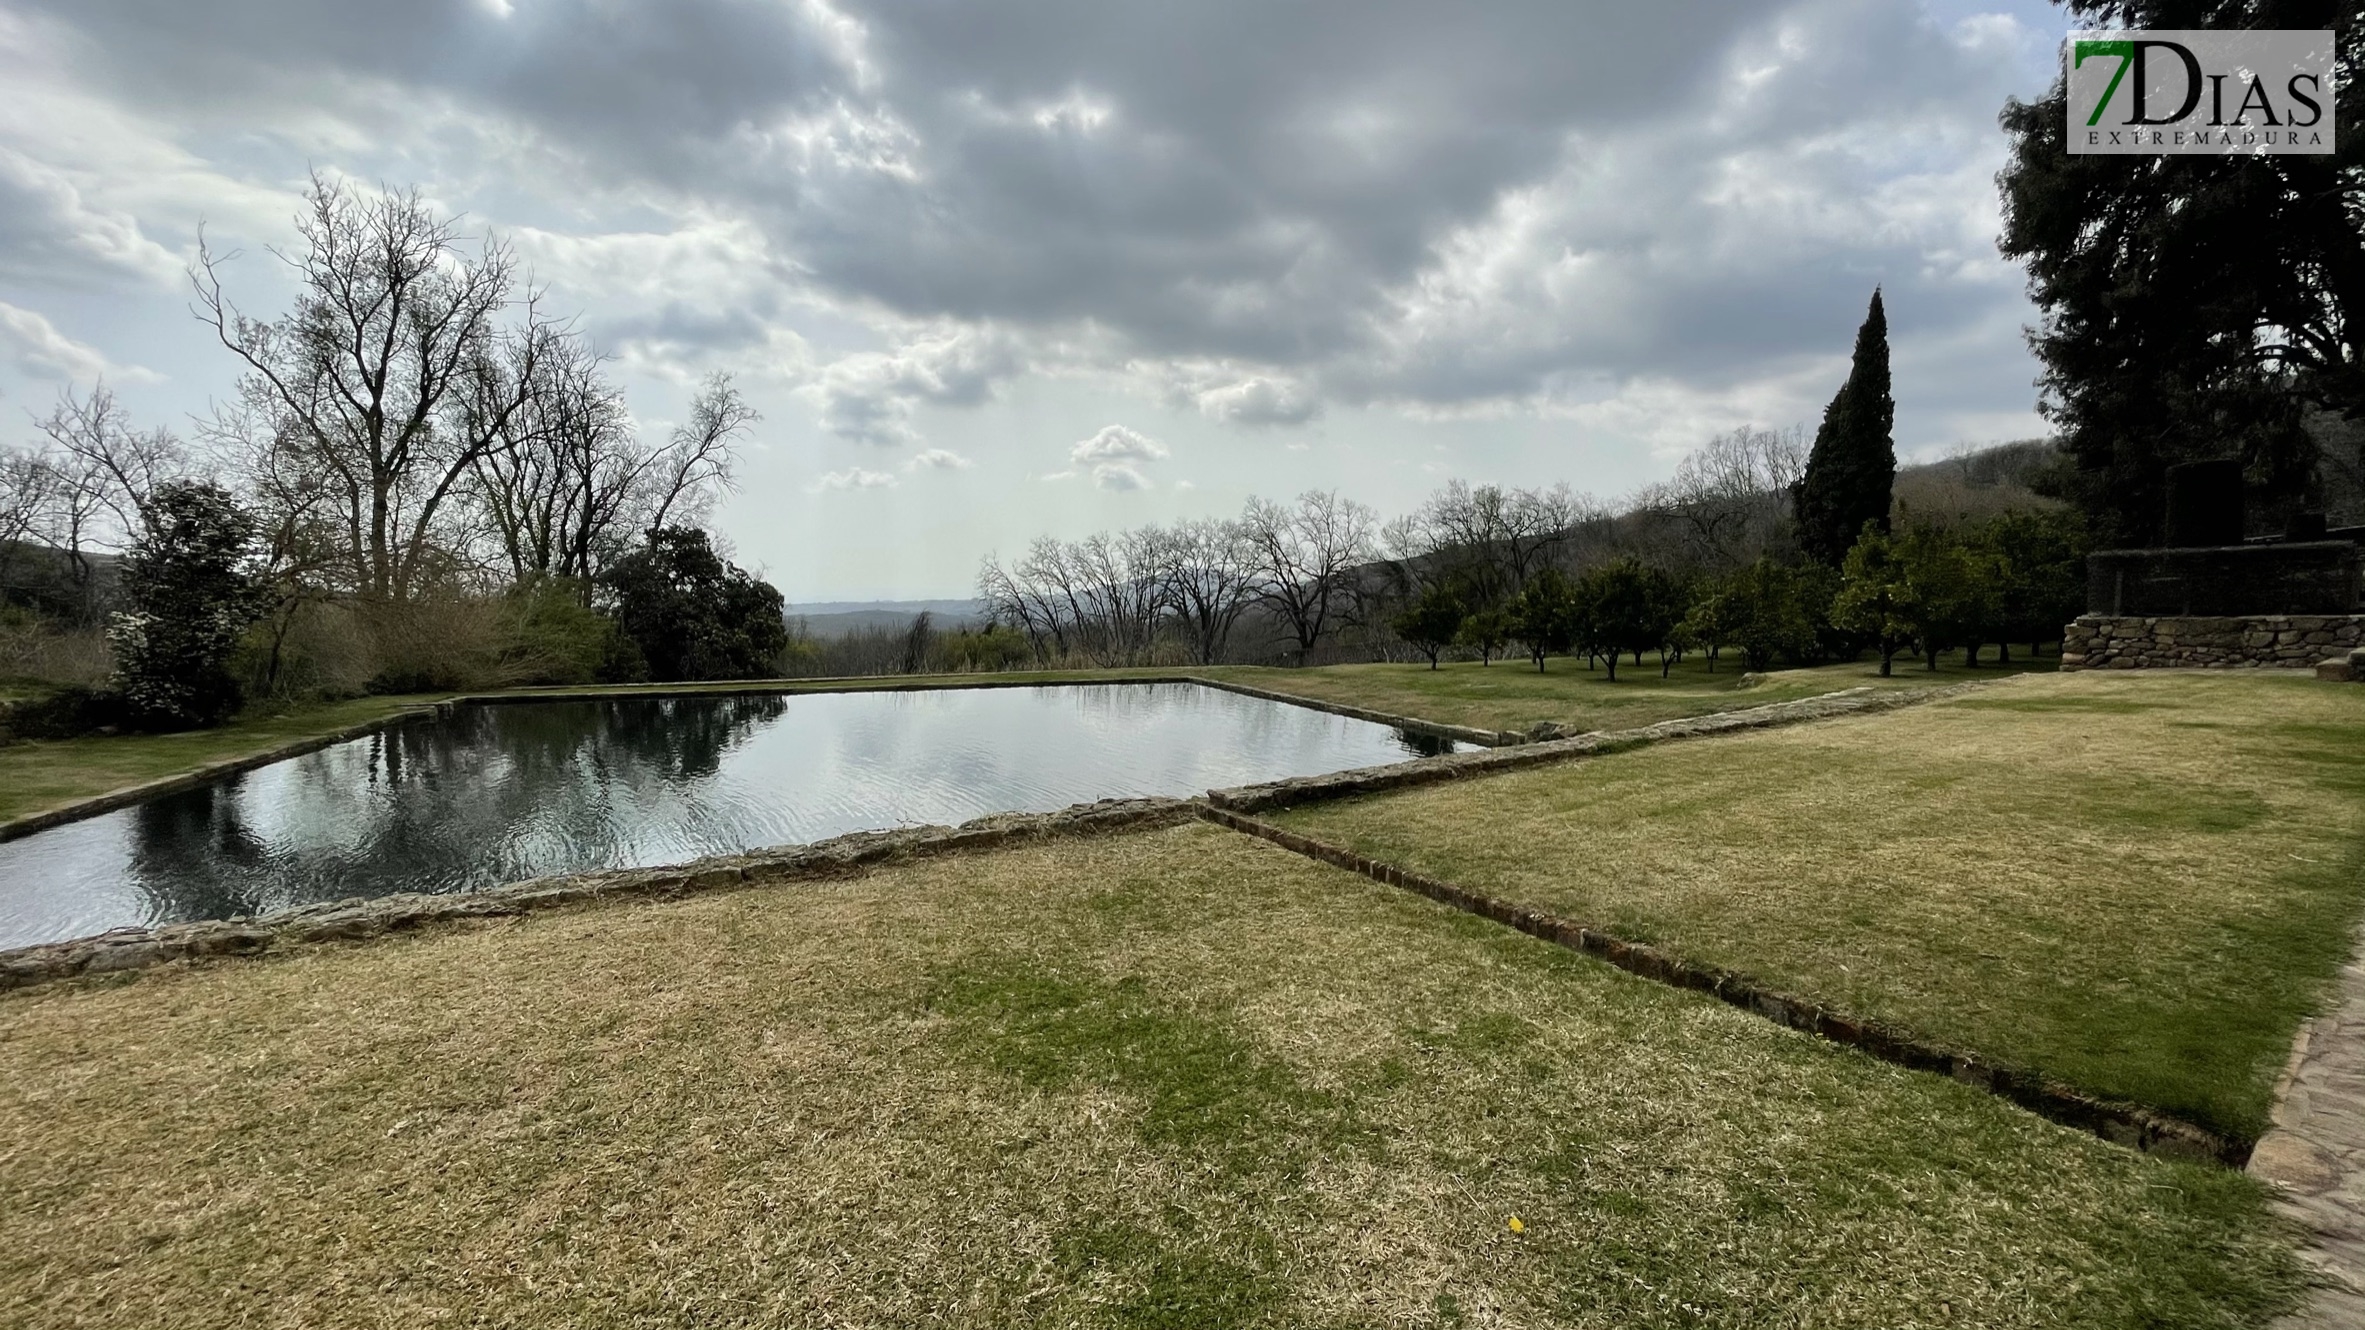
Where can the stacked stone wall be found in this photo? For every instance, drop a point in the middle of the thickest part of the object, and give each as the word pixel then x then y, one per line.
pixel 2252 641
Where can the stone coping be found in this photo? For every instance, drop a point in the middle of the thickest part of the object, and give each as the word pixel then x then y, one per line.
pixel 2127 1124
pixel 128 795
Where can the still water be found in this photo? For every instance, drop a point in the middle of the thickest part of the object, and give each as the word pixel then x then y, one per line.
pixel 493 794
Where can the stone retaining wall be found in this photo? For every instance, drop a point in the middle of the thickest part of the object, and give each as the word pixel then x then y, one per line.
pixel 2275 641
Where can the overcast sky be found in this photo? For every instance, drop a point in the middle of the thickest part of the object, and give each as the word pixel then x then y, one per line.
pixel 991 270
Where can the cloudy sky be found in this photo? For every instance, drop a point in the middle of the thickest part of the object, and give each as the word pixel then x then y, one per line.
pixel 991 270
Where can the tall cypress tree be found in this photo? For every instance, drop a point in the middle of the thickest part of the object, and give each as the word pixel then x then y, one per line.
pixel 1854 462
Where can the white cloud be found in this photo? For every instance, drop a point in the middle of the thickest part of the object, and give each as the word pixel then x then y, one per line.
pixel 36 347
pixel 869 396
pixel 939 459
pixel 853 478
pixel 1115 443
pixel 1115 456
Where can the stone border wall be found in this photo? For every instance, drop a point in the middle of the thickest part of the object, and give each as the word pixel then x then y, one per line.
pixel 2253 641
pixel 2126 1124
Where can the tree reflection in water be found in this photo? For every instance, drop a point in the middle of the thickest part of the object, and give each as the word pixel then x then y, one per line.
pixel 489 794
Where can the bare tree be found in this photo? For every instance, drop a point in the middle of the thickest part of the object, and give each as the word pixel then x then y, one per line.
pixel 28 484
pixel 1729 496
pixel 120 466
pixel 1209 583
pixel 683 477
pixel 393 375
pixel 1303 557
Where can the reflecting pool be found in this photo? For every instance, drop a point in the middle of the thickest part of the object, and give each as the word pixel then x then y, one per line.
pixel 493 794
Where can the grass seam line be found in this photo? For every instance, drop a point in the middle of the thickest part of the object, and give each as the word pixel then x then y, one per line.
pixel 2133 1125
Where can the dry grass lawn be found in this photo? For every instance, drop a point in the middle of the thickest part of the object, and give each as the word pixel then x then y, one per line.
pixel 1178 1078
pixel 2139 883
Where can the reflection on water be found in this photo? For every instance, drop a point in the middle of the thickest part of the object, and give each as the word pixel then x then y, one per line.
pixel 496 793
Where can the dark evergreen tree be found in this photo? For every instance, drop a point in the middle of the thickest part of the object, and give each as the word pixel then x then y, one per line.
pixel 1854 461
pixel 692 614
pixel 2193 306
pixel 190 593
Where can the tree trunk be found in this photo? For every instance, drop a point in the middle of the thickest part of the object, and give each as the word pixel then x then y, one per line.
pixel 1886 653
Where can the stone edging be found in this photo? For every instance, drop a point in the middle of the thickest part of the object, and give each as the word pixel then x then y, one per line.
pixel 1455 766
pixel 138 948
pixel 2126 1124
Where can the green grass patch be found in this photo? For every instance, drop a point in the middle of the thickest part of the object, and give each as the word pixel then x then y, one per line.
pixel 2060 873
pixel 975 1091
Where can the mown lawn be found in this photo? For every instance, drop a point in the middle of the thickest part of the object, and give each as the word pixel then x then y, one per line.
pixel 1512 695
pixel 1178 1078
pixel 2137 883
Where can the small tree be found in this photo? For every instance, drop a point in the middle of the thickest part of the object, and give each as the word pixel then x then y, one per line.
pixel 1876 595
pixel 191 594
pixel 1708 624
pixel 1766 613
pixel 2041 558
pixel 1544 617
pixel 1623 607
pixel 692 614
pixel 1485 631
pixel 1431 622
pixel 1955 591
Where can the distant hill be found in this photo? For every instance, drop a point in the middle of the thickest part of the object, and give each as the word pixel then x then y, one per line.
pixel 836 618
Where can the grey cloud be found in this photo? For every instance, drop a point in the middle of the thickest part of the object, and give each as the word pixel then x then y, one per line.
pixel 1346 200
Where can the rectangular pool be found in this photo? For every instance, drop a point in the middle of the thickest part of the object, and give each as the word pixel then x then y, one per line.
pixel 497 793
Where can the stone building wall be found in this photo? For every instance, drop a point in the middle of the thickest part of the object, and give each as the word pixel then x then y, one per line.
pixel 2285 641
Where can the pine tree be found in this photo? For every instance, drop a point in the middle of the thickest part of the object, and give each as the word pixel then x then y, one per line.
pixel 1854 462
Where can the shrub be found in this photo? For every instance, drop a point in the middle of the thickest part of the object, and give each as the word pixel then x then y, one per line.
pixel 190 595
